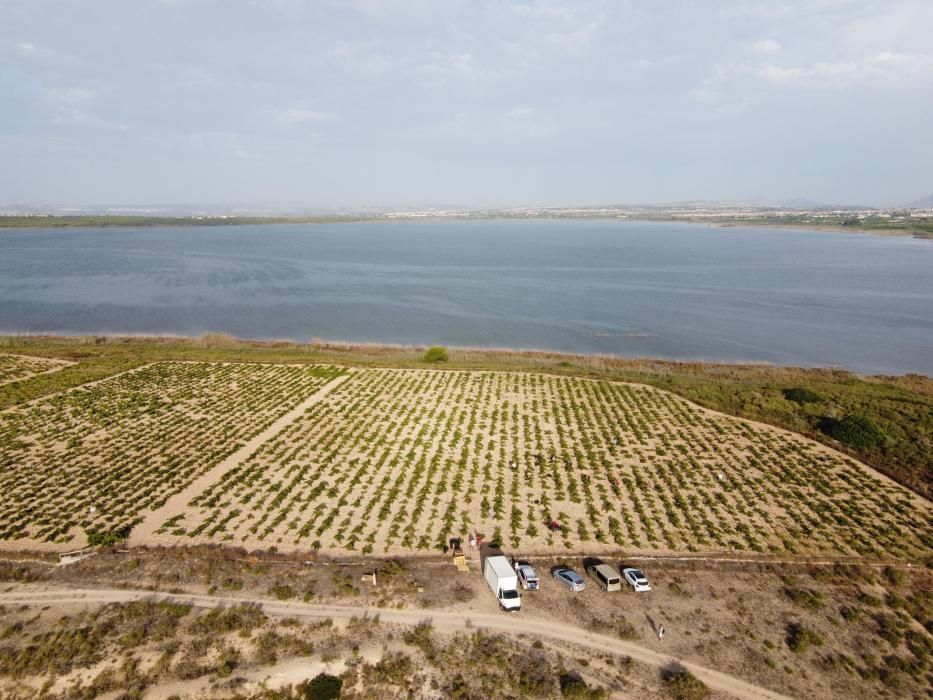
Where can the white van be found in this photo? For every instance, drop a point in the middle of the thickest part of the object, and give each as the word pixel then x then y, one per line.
pixel 503 582
pixel 606 576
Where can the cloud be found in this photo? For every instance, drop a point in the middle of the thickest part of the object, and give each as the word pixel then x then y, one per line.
pixel 645 62
pixel 519 112
pixel 766 47
pixel 448 65
pixel 292 117
pixel 69 95
pixel 511 127
pixel 545 12
pixel 24 48
pixel 226 143
pixel 574 39
pixel 884 69
pixel 74 116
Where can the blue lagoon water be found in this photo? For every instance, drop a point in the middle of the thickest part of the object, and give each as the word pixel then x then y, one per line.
pixel 667 290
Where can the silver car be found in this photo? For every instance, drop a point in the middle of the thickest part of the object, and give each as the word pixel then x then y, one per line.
pixel 570 578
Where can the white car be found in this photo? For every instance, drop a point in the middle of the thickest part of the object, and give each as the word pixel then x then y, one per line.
pixel 526 576
pixel 637 580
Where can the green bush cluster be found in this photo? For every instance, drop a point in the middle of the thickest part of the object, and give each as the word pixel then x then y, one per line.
pixel 800 638
pixel 802 395
pixel 95 538
pixel 858 431
pixel 436 353
pixel 683 685
pixel 322 687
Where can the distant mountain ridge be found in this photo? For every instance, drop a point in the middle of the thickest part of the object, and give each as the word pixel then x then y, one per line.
pixel 922 203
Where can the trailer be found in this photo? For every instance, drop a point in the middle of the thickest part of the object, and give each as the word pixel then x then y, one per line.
pixel 503 582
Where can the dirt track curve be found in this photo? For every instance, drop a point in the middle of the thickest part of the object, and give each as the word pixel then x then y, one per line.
pixel 443 621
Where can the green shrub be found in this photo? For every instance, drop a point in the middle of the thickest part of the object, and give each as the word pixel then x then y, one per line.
pixel 683 685
pixel 535 677
pixel 849 613
pixel 322 687
pixel 802 395
pixel 221 620
pixel 895 577
pixel 282 592
pixel 95 538
pixel 420 636
pixel 572 686
pixel 804 597
pixel 799 638
pixel 857 431
pixel 435 353
pixel 391 669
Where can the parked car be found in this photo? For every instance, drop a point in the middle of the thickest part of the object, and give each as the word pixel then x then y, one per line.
pixel 570 578
pixel 526 576
pixel 606 576
pixel 637 580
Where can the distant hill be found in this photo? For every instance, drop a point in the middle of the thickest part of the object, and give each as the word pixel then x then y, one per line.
pixel 924 203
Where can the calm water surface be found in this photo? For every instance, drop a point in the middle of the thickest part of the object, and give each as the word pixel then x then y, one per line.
pixel 628 288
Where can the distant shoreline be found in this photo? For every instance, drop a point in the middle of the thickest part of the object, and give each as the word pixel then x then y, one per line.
pixel 829 228
pixel 375 349
pixel 61 222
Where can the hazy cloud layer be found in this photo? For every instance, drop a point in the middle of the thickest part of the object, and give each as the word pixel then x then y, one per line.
pixel 464 103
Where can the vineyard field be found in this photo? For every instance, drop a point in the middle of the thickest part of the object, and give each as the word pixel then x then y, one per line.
pixel 92 459
pixel 14 368
pixel 399 461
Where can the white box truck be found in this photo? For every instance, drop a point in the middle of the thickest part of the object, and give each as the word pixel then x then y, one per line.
pixel 503 581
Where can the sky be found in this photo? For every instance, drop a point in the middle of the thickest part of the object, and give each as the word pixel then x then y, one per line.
pixel 471 103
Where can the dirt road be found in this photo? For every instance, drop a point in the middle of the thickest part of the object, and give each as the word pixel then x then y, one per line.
pixel 443 621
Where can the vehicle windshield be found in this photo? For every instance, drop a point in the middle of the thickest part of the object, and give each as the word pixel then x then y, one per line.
pixel 639 575
pixel 510 595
